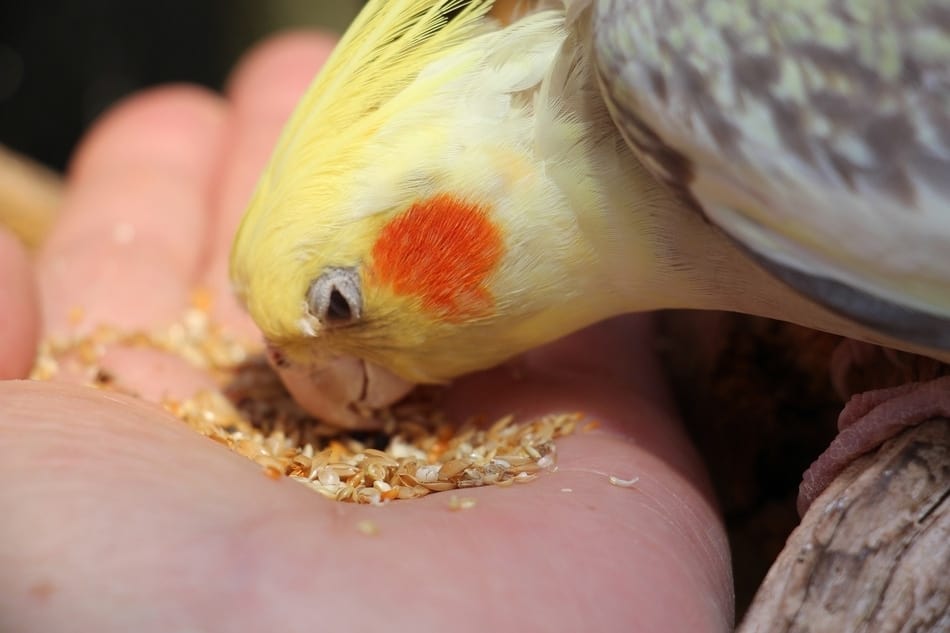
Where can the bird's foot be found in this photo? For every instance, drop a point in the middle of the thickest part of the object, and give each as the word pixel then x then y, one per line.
pixel 866 422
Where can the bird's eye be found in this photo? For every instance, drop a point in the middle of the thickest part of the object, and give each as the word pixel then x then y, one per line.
pixel 339 308
pixel 335 298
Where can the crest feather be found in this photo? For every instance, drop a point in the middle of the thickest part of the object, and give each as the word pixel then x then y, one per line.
pixel 384 49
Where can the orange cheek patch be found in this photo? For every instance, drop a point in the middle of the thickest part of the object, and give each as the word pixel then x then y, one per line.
pixel 441 250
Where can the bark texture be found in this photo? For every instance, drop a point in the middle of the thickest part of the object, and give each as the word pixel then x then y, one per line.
pixel 873 551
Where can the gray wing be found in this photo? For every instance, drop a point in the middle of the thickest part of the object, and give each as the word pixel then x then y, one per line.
pixel 815 132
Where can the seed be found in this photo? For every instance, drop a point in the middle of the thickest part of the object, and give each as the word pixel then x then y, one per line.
pixel 457 503
pixel 501 425
pixel 345 470
pixel 531 451
pixel 328 477
pixel 624 483
pixel 202 299
pixel 405 492
pixel 76 314
pixel 453 468
pixel 512 461
pixel 369 495
pixel 546 461
pixel 377 472
pixel 428 473
pixel 593 425
pixel 383 458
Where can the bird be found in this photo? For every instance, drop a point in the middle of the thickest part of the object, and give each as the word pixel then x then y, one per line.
pixel 452 190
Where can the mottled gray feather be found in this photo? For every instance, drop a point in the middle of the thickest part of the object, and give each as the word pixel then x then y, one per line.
pixel 816 132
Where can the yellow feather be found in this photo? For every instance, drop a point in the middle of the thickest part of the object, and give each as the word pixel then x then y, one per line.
pixel 386 47
pixel 352 97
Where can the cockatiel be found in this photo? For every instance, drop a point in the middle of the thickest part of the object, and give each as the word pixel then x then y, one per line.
pixel 451 191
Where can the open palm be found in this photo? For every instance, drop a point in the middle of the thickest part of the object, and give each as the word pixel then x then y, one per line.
pixel 117 517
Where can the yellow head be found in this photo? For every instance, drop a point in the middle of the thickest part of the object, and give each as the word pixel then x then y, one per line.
pixel 419 210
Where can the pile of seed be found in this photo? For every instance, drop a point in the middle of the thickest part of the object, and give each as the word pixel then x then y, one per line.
pixel 415 451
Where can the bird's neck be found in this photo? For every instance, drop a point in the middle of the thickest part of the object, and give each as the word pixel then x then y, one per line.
pixel 699 267
pixel 696 266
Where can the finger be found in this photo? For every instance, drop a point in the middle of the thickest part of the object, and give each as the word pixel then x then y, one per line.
pixel 264 89
pixel 134 219
pixel 163 510
pixel 19 312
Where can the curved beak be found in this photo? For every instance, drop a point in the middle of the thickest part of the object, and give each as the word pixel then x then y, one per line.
pixel 342 391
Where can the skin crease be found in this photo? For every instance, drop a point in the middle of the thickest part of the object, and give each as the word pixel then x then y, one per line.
pixel 126 520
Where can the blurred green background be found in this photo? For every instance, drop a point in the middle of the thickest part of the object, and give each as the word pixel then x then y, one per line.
pixel 63 63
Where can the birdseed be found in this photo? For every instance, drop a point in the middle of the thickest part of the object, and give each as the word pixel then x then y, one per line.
pixel 416 451
pixel 623 483
pixel 457 503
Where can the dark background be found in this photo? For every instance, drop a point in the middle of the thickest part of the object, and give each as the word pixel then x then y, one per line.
pixel 62 63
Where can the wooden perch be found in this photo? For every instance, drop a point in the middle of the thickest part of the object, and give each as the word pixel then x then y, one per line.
pixel 872 552
pixel 30 196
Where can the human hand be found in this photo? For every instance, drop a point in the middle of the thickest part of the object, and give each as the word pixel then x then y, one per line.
pixel 119 517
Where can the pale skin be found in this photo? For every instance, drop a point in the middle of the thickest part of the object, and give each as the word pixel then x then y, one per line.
pixel 118 517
